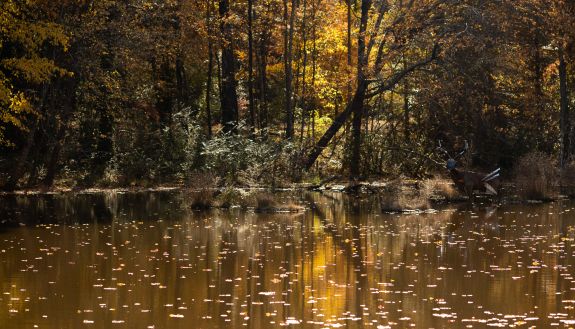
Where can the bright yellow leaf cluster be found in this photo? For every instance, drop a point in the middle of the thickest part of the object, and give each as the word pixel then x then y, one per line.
pixel 23 40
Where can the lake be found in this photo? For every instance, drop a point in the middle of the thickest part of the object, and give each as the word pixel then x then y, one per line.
pixel 146 260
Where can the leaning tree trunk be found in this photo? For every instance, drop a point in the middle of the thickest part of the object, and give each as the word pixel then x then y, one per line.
pixel 361 93
pixel 355 105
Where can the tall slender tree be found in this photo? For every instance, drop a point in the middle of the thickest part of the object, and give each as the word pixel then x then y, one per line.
pixel 565 115
pixel 251 66
pixel 209 7
pixel 229 95
pixel 289 20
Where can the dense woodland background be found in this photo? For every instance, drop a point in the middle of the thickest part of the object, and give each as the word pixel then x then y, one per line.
pixel 143 92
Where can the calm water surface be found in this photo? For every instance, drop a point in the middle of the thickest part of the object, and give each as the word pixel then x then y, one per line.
pixel 144 260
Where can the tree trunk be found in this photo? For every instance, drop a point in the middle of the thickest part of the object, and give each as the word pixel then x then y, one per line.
pixel 210 69
pixel 164 88
pixel 69 107
pixel 19 168
pixel 348 50
pixel 362 61
pixel 313 64
pixel 219 72
pixel 229 96
pixel 52 165
pixel 251 67
pixel 357 110
pixel 20 163
pixel 263 53
pixel 304 64
pixel 565 119
pixel 288 51
pixel 406 129
pixel 338 122
pixel 182 85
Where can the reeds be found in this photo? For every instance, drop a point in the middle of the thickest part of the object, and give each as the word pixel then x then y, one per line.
pixel 536 176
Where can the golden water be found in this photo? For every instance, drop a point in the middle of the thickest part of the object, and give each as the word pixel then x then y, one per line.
pixel 146 261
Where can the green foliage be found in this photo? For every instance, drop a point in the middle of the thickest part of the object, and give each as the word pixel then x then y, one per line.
pixel 238 158
pixel 146 154
pixel 233 197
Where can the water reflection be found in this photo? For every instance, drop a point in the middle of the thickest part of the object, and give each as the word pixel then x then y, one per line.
pixel 146 261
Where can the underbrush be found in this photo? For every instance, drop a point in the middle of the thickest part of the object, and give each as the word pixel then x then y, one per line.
pixel 401 195
pixel 442 189
pixel 567 179
pixel 251 161
pixel 202 190
pixel 230 197
pixel 536 176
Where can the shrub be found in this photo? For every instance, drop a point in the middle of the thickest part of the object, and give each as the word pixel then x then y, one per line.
pixel 268 202
pixel 151 152
pixel 202 180
pixel 265 202
pixel 536 176
pixel 231 196
pixel 238 158
pixel 400 195
pixel 442 189
pixel 568 175
pixel 201 199
pixel 203 190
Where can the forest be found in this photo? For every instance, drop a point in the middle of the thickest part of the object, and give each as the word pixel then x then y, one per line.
pixel 115 93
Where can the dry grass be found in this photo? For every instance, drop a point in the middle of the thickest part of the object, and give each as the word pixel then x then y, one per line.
pixel 202 199
pixel 568 175
pixel 398 195
pixel 202 196
pixel 202 180
pixel 442 189
pixel 266 202
pixel 568 179
pixel 536 176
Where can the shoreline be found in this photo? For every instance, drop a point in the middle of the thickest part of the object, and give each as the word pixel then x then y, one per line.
pixel 363 188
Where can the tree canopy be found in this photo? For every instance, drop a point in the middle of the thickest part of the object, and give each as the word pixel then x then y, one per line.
pixel 144 92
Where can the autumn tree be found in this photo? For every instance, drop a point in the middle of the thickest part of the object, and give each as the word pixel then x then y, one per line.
pixel 24 63
pixel 393 26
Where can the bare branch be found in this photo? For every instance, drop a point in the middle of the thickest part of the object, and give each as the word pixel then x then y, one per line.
pixel 396 78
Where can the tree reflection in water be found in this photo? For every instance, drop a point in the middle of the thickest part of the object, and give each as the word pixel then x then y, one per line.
pixel 142 260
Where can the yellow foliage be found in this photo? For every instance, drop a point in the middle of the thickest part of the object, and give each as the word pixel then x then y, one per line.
pixel 27 66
